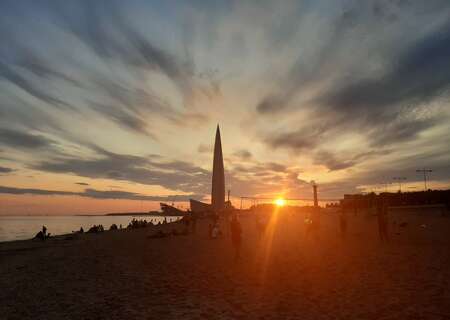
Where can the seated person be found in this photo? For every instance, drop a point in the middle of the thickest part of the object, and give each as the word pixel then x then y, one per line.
pixel 215 231
pixel 40 236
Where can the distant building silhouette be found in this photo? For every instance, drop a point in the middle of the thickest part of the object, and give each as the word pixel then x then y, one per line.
pixel 417 198
pixel 218 176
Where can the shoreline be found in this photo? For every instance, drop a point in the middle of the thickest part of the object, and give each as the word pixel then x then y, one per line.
pixel 74 233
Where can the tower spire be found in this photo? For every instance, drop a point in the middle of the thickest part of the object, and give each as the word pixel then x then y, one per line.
pixel 218 176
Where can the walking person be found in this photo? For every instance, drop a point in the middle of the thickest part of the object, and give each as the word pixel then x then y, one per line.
pixel 236 236
pixel 259 226
pixel 382 221
pixel 193 222
pixel 343 223
pixel 385 222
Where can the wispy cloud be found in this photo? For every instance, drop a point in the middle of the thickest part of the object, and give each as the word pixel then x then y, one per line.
pixel 204 148
pixel 115 86
pixel 243 154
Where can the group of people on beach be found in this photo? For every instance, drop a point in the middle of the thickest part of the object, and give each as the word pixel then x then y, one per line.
pixel 133 224
pixel 42 235
pixel 142 223
pixel 235 228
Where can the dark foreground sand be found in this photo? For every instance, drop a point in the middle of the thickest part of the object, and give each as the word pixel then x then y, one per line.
pixel 282 274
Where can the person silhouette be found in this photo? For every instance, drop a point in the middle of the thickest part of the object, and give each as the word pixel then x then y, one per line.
pixel 236 236
pixel 343 223
pixel 382 221
pixel 193 222
pixel 259 225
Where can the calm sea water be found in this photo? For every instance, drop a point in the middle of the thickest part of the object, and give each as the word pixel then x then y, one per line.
pixel 26 227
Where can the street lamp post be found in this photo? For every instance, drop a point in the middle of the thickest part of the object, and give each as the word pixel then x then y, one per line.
pixel 385 185
pixel 399 179
pixel 425 174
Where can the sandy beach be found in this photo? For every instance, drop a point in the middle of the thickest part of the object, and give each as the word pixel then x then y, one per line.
pixel 282 274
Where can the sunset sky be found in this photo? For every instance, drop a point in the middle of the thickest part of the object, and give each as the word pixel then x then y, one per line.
pixel 113 105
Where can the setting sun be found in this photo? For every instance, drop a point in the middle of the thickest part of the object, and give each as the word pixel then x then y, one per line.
pixel 280 202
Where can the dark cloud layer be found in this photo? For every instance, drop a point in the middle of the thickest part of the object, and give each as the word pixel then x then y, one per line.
pixel 4 170
pixel 174 175
pixel 340 161
pixel 297 140
pixel 418 74
pixel 97 194
pixel 19 139
pixel 330 161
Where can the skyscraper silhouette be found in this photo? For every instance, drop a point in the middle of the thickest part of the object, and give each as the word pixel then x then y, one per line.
pixel 218 176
